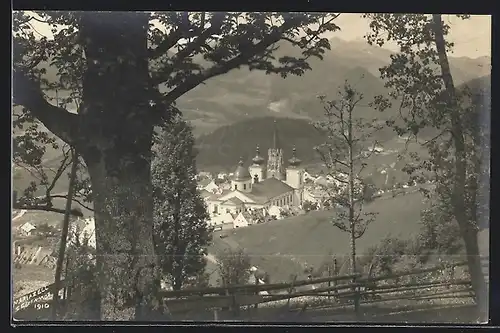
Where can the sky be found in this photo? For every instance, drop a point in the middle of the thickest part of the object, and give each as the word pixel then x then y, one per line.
pixel 472 37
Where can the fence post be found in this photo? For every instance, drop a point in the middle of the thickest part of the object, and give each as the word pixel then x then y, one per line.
pixel 235 307
pixel 335 273
pixel 216 314
pixel 356 290
pixel 329 281
pixel 256 305
pixel 291 289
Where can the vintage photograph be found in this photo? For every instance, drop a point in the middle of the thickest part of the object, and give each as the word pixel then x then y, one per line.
pixel 250 167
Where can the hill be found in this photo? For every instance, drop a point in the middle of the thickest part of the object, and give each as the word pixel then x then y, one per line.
pixel 287 246
pixel 222 148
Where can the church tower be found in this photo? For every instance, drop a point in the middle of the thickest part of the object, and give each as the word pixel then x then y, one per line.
pixel 294 173
pixel 294 178
pixel 257 168
pixel 275 167
pixel 242 180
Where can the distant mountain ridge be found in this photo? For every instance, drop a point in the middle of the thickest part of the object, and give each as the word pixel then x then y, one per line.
pixel 221 149
pixel 242 94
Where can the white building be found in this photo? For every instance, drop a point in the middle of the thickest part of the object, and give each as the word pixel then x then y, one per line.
pixel 212 187
pixel 84 229
pixel 27 229
pixel 260 186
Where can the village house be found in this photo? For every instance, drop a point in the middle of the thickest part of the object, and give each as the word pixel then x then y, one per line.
pixel 203 183
pixel 222 176
pixel 27 229
pixel 307 177
pixel 244 219
pixel 316 195
pixel 222 221
pixel 212 187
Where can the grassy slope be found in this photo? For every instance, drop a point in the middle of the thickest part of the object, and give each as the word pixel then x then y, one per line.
pixel 284 247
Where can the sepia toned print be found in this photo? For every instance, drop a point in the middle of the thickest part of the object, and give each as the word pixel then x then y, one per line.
pixel 270 167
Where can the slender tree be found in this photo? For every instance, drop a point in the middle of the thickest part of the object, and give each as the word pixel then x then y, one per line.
pixel 344 156
pixel 115 63
pixel 421 82
pixel 180 217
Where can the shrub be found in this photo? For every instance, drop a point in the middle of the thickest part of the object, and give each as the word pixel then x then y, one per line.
pixel 234 267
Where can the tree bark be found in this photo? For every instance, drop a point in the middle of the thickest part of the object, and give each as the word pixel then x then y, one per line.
pixel 117 124
pixel 352 218
pixel 127 269
pixel 469 232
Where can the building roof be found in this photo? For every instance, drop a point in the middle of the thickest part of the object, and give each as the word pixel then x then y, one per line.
pixel 267 189
pixel 258 160
pixel 205 194
pixel 204 182
pixel 294 161
pixel 321 180
pixel 218 181
pixel 241 173
pixel 216 196
pixel 28 227
pixel 247 215
pixel 233 201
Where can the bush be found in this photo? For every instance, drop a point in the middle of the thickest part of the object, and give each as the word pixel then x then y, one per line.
pixel 84 301
pixel 369 191
pixel 440 232
pixel 234 267
pixel 309 206
pixel 438 240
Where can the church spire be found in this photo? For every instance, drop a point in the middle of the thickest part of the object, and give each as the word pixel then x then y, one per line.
pixel 275 136
pixel 275 167
pixel 257 160
pixel 294 161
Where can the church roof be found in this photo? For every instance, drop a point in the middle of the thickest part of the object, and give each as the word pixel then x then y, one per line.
pixel 267 189
pixel 216 196
pixel 233 201
pixel 294 161
pixel 261 192
pixel 257 160
pixel 241 173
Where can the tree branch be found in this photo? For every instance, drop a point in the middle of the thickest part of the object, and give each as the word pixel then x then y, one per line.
pixel 166 44
pixel 57 175
pixel 220 69
pixel 74 212
pixel 215 24
pixel 73 199
pixel 27 92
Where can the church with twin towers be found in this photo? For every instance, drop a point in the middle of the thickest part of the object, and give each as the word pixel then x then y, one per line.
pixel 265 183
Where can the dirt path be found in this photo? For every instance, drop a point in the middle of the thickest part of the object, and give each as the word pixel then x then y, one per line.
pixel 19 215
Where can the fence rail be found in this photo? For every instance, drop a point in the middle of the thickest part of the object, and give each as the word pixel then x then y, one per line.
pixel 348 291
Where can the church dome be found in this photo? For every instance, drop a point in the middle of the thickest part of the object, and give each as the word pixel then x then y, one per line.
pixel 241 173
pixel 258 160
pixel 294 161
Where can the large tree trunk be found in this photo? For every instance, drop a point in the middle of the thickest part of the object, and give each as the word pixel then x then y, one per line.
pixel 117 129
pixel 468 229
pixel 124 236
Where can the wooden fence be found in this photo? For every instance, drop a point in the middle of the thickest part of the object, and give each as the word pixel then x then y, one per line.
pixel 258 301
